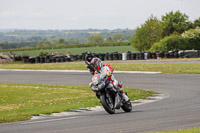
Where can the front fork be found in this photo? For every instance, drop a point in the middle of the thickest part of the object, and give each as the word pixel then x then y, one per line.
pixel 118 100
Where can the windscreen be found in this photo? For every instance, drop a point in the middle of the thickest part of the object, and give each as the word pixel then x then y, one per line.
pixel 96 78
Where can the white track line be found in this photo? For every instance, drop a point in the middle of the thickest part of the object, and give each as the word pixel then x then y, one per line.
pixel 150 99
pixel 81 71
pixel 49 120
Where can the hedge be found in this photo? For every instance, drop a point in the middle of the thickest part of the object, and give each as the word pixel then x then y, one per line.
pixel 68 46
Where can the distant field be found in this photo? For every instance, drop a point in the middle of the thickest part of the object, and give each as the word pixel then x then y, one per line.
pixel 109 49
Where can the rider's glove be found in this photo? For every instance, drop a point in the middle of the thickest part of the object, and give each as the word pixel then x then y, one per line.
pixel 108 73
pixel 90 84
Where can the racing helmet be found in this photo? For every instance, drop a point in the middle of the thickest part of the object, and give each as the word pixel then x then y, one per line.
pixel 96 63
pixel 89 56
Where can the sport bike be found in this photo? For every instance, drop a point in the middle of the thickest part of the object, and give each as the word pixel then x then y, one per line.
pixel 110 98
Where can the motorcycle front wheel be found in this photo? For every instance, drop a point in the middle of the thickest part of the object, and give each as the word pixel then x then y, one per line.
pixel 107 104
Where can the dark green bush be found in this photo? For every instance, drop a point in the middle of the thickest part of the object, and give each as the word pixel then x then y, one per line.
pixel 193 38
pixel 43 53
pixel 170 43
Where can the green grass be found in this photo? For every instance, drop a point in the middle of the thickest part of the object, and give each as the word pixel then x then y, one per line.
pixel 107 49
pixel 180 68
pixel 192 130
pixel 21 101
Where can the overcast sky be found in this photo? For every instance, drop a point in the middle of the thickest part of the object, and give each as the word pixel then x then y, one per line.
pixel 84 14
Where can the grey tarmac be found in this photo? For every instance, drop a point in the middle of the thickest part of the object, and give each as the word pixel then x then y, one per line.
pixel 180 110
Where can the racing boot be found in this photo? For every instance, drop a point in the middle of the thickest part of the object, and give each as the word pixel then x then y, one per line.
pixel 118 87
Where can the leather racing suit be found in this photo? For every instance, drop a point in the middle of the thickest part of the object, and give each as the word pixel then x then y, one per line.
pixel 107 70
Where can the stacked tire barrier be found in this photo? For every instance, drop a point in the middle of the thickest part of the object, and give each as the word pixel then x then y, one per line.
pixel 5 58
pixel 112 56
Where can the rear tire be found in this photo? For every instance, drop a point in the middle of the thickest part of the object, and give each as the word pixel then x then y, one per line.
pixel 127 106
pixel 107 105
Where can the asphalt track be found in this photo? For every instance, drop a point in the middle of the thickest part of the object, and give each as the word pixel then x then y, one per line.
pixel 180 110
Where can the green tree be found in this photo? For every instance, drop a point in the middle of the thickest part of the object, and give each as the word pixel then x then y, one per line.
pixel 175 23
pixel 73 41
pixel 186 41
pixel 193 38
pixel 109 39
pixel 147 34
pixel 95 39
pixel 61 40
pixel 117 38
pixel 40 44
pixel 197 22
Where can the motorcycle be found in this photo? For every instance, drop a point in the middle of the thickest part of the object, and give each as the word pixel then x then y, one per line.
pixel 110 98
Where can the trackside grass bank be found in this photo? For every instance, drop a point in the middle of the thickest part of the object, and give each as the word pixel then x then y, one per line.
pixel 21 101
pixel 179 68
pixel 192 130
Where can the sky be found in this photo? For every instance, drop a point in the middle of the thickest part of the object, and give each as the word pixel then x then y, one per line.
pixel 85 14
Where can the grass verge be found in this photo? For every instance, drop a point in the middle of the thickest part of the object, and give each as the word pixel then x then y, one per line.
pixel 21 101
pixel 179 68
pixel 191 130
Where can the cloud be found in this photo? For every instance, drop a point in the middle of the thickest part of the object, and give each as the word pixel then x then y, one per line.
pixel 8 13
pixel 38 14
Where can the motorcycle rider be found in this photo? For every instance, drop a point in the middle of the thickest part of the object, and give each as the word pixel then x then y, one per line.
pixel 107 71
pixel 88 58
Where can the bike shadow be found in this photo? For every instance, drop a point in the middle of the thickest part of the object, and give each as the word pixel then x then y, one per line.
pixel 117 112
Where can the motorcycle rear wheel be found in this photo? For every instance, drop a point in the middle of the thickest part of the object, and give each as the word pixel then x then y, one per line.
pixel 107 105
pixel 127 106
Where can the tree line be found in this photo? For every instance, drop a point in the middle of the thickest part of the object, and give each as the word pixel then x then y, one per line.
pixel 173 32
pixel 26 39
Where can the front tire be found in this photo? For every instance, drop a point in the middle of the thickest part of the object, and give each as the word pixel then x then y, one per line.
pixel 107 105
